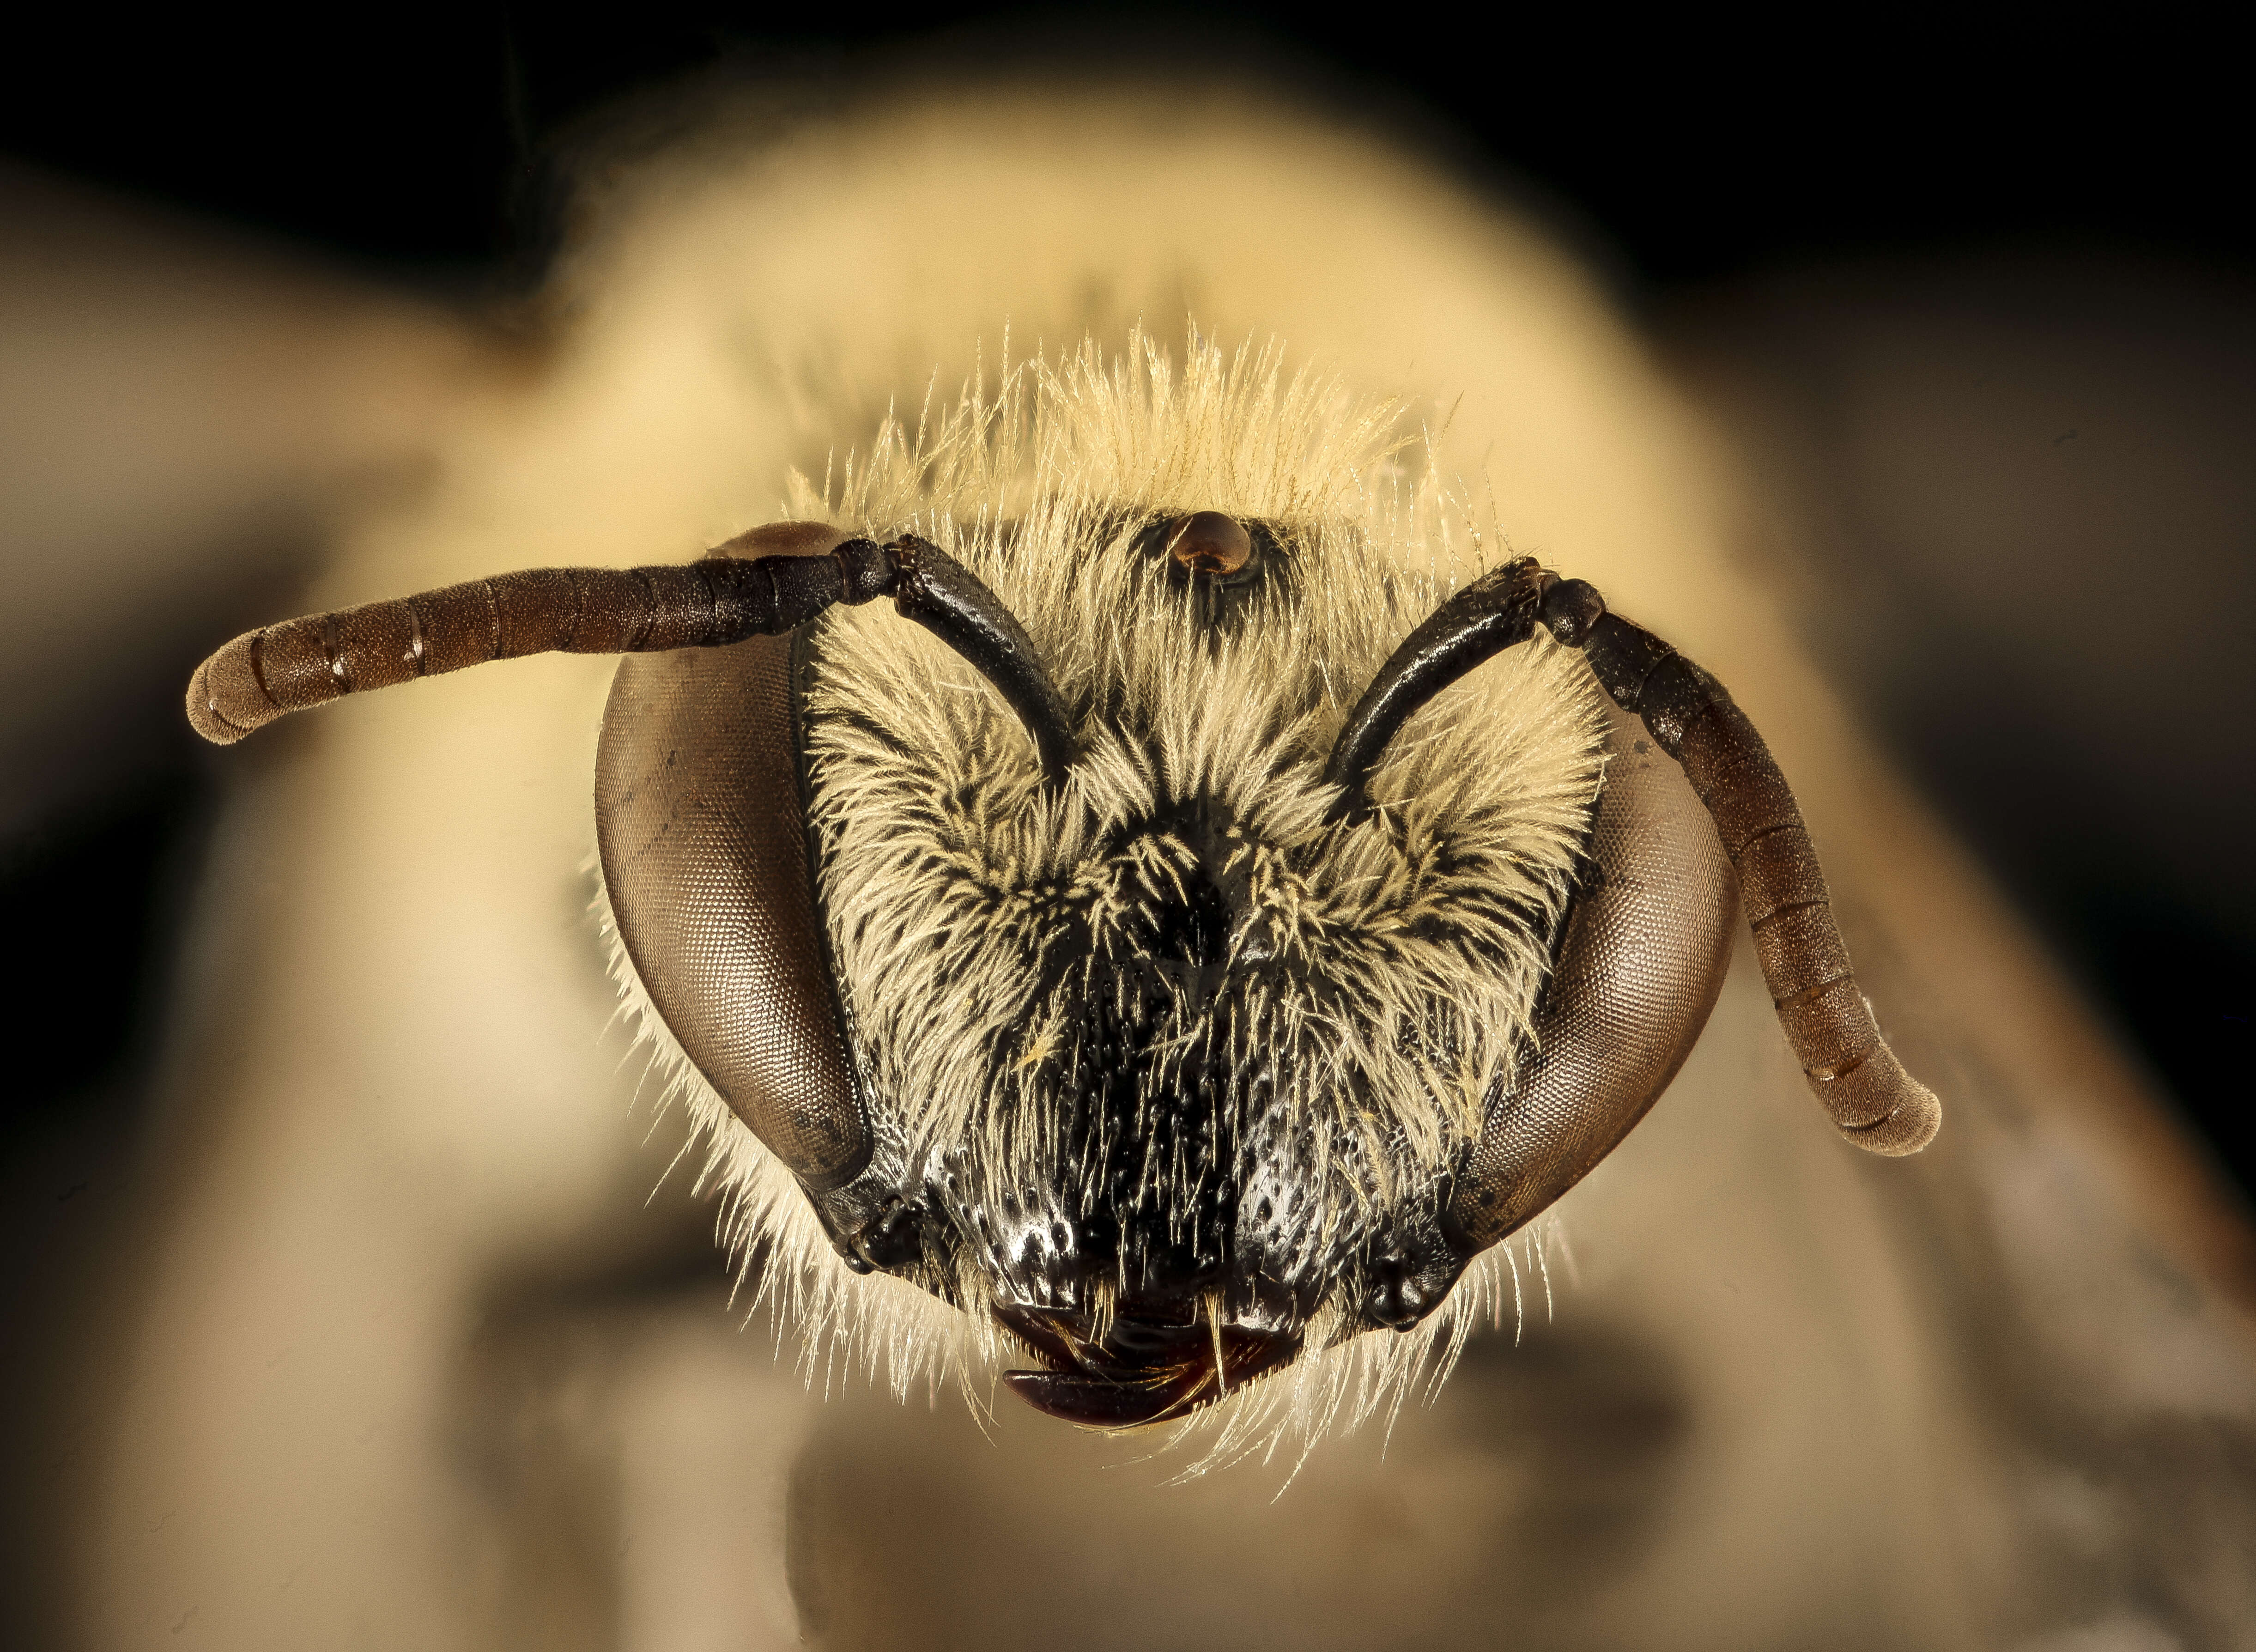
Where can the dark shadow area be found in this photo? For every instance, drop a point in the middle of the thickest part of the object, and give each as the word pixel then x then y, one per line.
pixel 98 899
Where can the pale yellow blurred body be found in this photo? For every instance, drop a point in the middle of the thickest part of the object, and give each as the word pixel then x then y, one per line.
pixel 381 1370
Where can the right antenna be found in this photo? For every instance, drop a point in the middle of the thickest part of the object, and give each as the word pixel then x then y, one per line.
pixel 1848 1065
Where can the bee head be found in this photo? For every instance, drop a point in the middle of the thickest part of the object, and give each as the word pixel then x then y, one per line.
pixel 1169 1060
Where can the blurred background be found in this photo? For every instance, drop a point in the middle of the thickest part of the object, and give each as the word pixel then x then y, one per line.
pixel 1974 294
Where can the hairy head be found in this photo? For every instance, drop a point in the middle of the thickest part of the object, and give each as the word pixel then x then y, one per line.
pixel 1168 1066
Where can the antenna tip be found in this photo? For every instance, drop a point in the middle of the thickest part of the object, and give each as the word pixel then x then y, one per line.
pixel 225 700
pixel 1879 1106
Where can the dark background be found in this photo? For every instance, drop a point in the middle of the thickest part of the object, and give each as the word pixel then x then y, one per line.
pixel 1769 197
pixel 1693 148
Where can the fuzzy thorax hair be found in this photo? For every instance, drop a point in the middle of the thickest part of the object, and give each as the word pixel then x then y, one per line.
pixel 1038 980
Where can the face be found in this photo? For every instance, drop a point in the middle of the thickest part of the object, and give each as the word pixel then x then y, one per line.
pixel 1171 1064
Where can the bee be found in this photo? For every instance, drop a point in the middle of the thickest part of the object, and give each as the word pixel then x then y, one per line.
pixel 1126 907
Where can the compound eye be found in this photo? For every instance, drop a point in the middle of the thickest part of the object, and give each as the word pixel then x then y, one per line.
pixel 703 839
pixel 1647 942
pixel 1210 544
